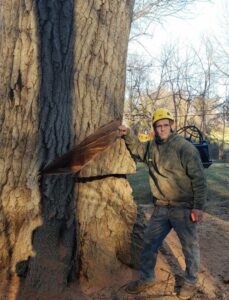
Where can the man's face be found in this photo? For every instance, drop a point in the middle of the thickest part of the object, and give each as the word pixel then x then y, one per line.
pixel 163 128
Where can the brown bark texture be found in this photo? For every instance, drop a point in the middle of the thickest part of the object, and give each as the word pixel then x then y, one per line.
pixel 20 82
pixel 62 76
pixel 106 211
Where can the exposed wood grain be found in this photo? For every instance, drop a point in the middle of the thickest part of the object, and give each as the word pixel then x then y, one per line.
pixel 74 160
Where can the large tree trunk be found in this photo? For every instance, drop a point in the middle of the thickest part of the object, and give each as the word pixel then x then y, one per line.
pixel 62 77
pixel 106 211
pixel 20 83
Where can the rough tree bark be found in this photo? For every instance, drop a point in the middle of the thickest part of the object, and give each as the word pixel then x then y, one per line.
pixel 62 68
pixel 20 82
pixel 62 76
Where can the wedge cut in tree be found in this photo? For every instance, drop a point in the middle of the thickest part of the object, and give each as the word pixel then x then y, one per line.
pixel 74 160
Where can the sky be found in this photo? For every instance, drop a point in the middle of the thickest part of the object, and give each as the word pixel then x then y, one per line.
pixel 205 19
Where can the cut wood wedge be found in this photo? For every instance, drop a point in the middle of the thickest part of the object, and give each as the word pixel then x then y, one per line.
pixel 74 160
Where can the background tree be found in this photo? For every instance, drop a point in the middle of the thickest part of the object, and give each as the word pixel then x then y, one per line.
pixel 147 12
pixel 201 76
pixel 188 83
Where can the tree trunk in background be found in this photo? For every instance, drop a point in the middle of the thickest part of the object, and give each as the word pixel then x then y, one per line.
pixel 222 146
pixel 62 77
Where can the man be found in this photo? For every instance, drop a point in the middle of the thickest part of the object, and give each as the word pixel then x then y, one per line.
pixel 179 190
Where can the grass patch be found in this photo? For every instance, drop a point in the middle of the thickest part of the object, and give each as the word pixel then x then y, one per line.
pixel 219 161
pixel 140 185
pixel 218 183
pixel 217 178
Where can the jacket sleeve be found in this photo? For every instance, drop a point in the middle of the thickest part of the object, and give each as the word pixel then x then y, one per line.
pixel 136 148
pixel 191 161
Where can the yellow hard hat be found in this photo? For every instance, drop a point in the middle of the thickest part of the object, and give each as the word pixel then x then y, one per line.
pixel 162 113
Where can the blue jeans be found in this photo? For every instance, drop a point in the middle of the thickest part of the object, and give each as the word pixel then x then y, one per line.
pixel 163 219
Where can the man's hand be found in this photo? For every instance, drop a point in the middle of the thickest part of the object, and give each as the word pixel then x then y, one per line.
pixel 197 215
pixel 122 130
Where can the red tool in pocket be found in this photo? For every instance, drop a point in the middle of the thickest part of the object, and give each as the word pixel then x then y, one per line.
pixel 193 216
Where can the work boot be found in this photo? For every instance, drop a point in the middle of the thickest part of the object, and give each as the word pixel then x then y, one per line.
pixel 187 291
pixel 137 286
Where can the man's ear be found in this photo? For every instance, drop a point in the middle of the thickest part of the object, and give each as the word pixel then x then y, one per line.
pixel 152 134
pixel 172 126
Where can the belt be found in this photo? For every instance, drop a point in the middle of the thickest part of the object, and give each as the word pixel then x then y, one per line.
pixel 158 202
pixel 162 203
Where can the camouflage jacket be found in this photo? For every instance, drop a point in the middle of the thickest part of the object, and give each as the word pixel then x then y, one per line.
pixel 175 168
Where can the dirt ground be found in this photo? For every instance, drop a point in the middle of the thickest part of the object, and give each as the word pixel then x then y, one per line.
pixel 214 274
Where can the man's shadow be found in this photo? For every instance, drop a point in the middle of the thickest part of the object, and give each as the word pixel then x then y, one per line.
pixel 54 245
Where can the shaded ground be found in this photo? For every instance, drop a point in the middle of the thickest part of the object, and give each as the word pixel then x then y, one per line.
pixel 214 244
pixel 214 231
